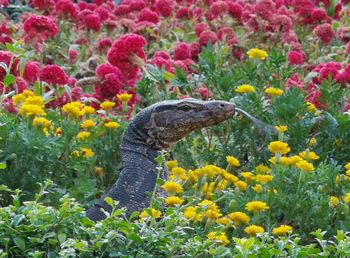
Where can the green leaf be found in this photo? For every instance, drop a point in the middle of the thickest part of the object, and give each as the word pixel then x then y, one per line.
pixel 168 76
pixel 61 237
pixel 109 201
pixel 20 243
pixel 9 79
pixel 85 221
pixel 159 159
pixel 160 181
pixel 2 165
pixel 9 47
pixel 134 215
pixel 17 220
pixel 37 88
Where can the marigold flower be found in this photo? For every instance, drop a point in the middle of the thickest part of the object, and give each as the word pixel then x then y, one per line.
pixel 279 147
pixel 257 53
pixel 282 230
pixel 239 217
pixel 173 200
pixel 111 125
pixel 333 201
pixel 34 100
pixel 310 107
pixel 88 153
pixel 107 105
pixel 229 177
pixel 262 169
pixel 293 160
pixel 273 91
pixel 213 214
pixel 178 172
pixel 72 109
pixel 75 154
pixel 82 136
pixel 257 188
pixel 219 238
pixel 150 214
pixel 347 165
pixel 305 166
pixel 88 124
pixel 309 155
pixel 223 221
pixel 18 99
pixel 245 88
pixel 124 97
pixel 87 110
pixel 31 110
pixel 264 179
pixel 256 206
pixel 347 198
pixel 281 128
pixel 232 161
pixel 170 164
pixel 172 187
pixel 190 213
pixel 242 186
pixel 254 230
pixel 248 176
pixel 41 122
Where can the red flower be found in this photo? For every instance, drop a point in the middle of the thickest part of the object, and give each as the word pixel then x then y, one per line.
pixel 182 51
pixel 42 5
pixel 122 9
pixel 294 81
pixel 325 33
pixel 53 74
pixel 66 9
pixel 104 44
pixel 5 34
pixel 39 28
pixel 73 55
pixel 218 9
pixel 195 49
pixel 265 9
pixel 136 5
pixel 4 3
pixel 164 7
pixel 148 15
pixel 282 23
pixel 200 27
pixel 162 54
pixel 8 105
pixel 206 37
pixel 92 22
pixel 31 71
pixel 21 84
pixel 103 12
pixel 127 54
pixel 296 57
pixel 235 10
pixel 161 62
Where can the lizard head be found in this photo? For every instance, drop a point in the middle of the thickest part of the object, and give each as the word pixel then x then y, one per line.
pixel 163 124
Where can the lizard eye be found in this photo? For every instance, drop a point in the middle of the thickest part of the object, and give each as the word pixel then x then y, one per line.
pixel 185 108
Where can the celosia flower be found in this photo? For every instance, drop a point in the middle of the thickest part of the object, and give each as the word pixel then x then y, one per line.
pixel 207 36
pixel 305 166
pixel 92 22
pixel 182 51
pixel 324 32
pixel 164 7
pixel 256 206
pixel 173 200
pixel 282 230
pixel 150 214
pixel 39 28
pixel 273 91
pixel 254 230
pixel 219 238
pixel 279 147
pixel 53 74
pixel 232 161
pixel 124 97
pixel 88 153
pixel 245 88
pixel 257 53
pixel 172 187
pixel 111 125
pixel 333 201
pixel 31 71
pixel 41 122
pixel 239 217
pixel 88 124
pixel 296 57
pixel 148 15
pixel 66 9
pixel 82 136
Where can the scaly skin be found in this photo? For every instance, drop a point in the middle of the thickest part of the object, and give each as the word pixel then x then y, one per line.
pixel 154 129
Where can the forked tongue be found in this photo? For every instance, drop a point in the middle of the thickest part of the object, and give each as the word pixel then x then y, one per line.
pixel 262 127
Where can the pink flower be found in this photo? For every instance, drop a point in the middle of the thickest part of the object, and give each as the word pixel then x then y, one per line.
pixel 54 75
pixel 294 81
pixel 127 54
pixel 206 37
pixel 136 5
pixel 104 44
pixel 265 9
pixel 8 106
pixel 39 28
pixel 164 7
pixel 31 71
pixel 182 51
pixel 161 62
pixel 103 13
pixel 282 23
pixel 218 9
pixel 73 55
pixel 148 15
pixel 92 22
pixel 42 5
pixel 200 27
pixel 325 33
pixel 296 57
pixel 5 57
pixel 235 10
pixel 162 54
pixel 195 49
pixel 122 9
pixel 66 9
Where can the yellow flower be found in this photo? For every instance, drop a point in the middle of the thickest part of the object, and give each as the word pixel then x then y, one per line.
pixel 264 179
pixel 148 214
pixel 232 161
pixel 310 107
pixel 262 169
pixel 309 155
pixel 257 188
pixel 282 230
pixel 242 186
pixel 178 172
pixel 245 88
pixel 273 91
pixel 223 221
pixel 229 177
pixel 173 200
pixel 248 176
pixel 219 238
pixel 170 164
pixel 98 171
pixel 281 128
pixel 312 142
pixel 111 125
pixel 256 206
pixel 239 217
pixel 347 166
pixel 279 147
pixel 125 97
pixel 88 124
pixel 34 100
pixel 58 131
pixel 31 110
pixel 41 122
pixel 293 160
pixel 88 153
pixel 172 187
pixel 82 136
pixel 87 110
pixel 283 161
pixel 18 99
pixel 28 93
pixel 213 214
pixel 190 213
pixel 305 166
pixel 254 229
pixel 257 53
pixel 73 109
pixel 75 154
pixel 207 204
pixel 333 201
pixel 347 198
pixel 107 105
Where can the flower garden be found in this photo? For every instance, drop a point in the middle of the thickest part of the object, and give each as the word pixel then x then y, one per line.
pixel 73 75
